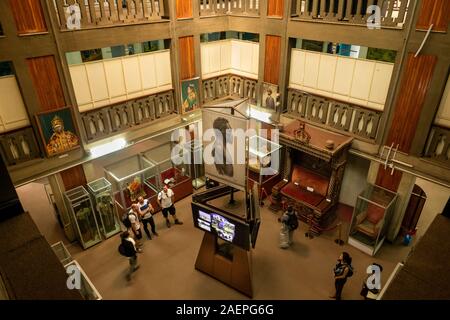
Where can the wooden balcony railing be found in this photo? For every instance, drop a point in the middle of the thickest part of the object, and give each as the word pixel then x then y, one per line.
pixel 19 146
pixel 438 146
pixel 222 7
pixel 392 12
pixel 81 14
pixel 229 86
pixel 356 120
pixel 102 122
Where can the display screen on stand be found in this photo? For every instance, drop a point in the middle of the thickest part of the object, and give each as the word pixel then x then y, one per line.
pixel 231 230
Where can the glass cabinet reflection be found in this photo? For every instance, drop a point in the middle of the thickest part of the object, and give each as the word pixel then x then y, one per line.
pixel 83 217
pixel 101 191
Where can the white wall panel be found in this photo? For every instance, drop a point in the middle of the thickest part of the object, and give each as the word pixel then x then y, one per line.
pixel 115 77
pixel 204 56
pixel 148 75
pixel 214 53
pixel 297 71
pixel 380 83
pixel 344 75
pixel 97 81
pixel 225 55
pixel 255 59
pixel 235 55
pixel 311 70
pixel 362 79
pixel 443 115
pixel 132 74
pixel 163 68
pixel 13 114
pixel 97 84
pixel 81 84
pixel 246 57
pixel 327 70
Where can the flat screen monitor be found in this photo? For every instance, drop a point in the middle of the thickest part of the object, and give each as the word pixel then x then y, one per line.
pixel 229 229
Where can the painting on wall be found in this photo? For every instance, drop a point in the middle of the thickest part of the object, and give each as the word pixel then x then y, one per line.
pixel 190 95
pixel 269 96
pixel 57 130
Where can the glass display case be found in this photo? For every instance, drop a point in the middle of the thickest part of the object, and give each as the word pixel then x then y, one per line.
pixel 371 218
pixel 101 192
pixel 175 175
pixel 130 178
pixel 196 168
pixel 263 164
pixel 82 215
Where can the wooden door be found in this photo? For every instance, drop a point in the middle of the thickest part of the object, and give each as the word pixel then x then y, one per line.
pixel 414 209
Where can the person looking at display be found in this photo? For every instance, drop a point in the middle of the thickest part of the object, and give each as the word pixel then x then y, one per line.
pixel 146 210
pixel 289 223
pixel 165 200
pixel 133 216
pixel 128 249
pixel 342 271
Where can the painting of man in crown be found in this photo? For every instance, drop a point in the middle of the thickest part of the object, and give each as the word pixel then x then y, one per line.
pixel 58 131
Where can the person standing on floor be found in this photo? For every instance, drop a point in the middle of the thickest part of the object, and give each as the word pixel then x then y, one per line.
pixel 342 271
pixel 128 249
pixel 146 210
pixel 165 201
pixel 133 217
pixel 289 223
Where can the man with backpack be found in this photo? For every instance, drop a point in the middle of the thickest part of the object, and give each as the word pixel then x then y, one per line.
pixel 289 223
pixel 127 248
pixel 131 221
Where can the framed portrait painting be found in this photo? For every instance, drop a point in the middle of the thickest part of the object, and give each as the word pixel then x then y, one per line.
pixel 269 96
pixel 57 130
pixel 190 95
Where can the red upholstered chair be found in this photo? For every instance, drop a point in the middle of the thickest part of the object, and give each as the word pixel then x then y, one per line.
pixel 369 222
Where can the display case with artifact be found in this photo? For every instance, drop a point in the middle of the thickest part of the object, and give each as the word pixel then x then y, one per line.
pixel 176 176
pixel 101 191
pixel 82 215
pixel 196 168
pixel 263 164
pixel 371 218
pixel 131 178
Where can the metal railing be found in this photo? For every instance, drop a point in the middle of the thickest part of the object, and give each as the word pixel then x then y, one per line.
pixel 19 146
pixel 102 122
pixel 392 12
pixel 80 14
pixel 222 7
pixel 229 86
pixel 334 114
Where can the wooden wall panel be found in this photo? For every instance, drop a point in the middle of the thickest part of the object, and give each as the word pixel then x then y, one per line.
pixel 414 86
pixel 388 181
pixel 44 74
pixel 436 12
pixel 28 16
pixel 73 177
pixel 184 9
pixel 272 59
pixel 275 8
pixel 187 57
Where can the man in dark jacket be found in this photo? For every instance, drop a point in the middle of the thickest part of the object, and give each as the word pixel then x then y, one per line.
pixel 129 250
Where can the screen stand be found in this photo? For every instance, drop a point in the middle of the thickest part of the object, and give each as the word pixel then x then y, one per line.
pixel 235 272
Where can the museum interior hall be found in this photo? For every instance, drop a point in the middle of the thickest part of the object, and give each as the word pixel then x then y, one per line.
pixel 224 150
